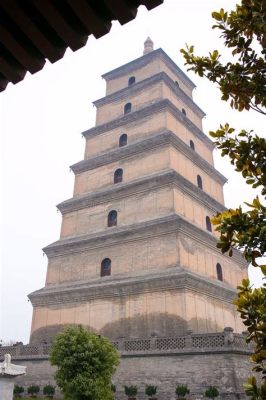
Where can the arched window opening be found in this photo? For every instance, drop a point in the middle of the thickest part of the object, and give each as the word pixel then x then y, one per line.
pixel 112 218
pixel 192 145
pixel 208 224
pixel 219 272
pixel 123 140
pixel 127 108
pixel 118 175
pixel 177 84
pixel 131 80
pixel 184 111
pixel 199 181
pixel 106 267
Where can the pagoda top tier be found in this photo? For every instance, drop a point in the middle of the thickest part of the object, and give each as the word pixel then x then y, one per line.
pixel 149 56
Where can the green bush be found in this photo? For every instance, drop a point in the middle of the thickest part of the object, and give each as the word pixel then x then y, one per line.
pixel 131 390
pixel 85 364
pixel 49 391
pixel 181 391
pixel 212 392
pixel 33 390
pixel 18 390
pixel 150 390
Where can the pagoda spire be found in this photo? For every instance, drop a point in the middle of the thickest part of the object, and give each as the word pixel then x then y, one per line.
pixel 148 46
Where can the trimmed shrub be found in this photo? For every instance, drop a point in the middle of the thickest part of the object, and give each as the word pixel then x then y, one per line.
pixel 49 391
pixel 181 391
pixel 131 390
pixel 113 388
pixel 212 392
pixel 33 390
pixel 18 390
pixel 150 390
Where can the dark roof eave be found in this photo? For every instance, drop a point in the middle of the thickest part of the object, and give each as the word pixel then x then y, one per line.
pixel 36 31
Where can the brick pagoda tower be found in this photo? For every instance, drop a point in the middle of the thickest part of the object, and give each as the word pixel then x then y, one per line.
pixel 137 254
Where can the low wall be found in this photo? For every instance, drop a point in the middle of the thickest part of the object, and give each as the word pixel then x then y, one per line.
pixel 198 360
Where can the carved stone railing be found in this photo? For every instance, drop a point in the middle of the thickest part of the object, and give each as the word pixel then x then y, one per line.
pixel 191 343
pixel 24 351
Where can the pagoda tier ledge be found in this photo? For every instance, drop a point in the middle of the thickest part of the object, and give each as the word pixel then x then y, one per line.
pixel 158 106
pixel 165 279
pixel 166 138
pixel 191 343
pixel 146 59
pixel 172 223
pixel 141 85
pixel 141 185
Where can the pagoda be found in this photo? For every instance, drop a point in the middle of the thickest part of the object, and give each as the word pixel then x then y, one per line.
pixel 137 259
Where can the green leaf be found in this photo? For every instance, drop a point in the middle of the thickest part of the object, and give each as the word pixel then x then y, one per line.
pixel 217 16
pixel 263 269
pixel 250 181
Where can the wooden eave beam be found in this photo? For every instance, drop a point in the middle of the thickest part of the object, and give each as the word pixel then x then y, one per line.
pixel 32 31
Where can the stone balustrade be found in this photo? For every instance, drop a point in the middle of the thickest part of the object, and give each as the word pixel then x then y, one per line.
pixel 191 343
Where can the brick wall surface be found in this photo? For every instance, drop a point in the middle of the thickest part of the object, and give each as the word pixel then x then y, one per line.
pixel 225 371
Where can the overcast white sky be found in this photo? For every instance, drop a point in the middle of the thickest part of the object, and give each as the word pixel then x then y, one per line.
pixel 41 123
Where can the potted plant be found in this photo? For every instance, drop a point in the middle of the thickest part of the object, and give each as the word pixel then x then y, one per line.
pixel 150 391
pixel 49 391
pixel 33 390
pixel 131 392
pixel 181 391
pixel 18 390
pixel 212 392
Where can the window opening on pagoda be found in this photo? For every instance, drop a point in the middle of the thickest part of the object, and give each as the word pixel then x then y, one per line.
pixel 184 111
pixel 208 224
pixel 112 218
pixel 219 272
pixel 118 175
pixel 177 84
pixel 106 267
pixel 123 140
pixel 192 145
pixel 131 80
pixel 127 108
pixel 199 181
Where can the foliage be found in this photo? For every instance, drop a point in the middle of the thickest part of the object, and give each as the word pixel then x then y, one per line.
pixel 252 389
pixel 49 391
pixel 252 307
pixel 212 392
pixel 244 230
pixel 131 390
pixel 150 390
pixel 243 82
pixel 181 390
pixel 247 153
pixel 33 390
pixel 86 363
pixel 18 390
pixel 113 388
